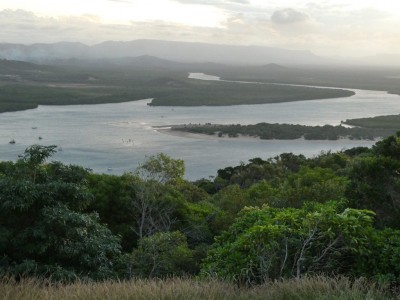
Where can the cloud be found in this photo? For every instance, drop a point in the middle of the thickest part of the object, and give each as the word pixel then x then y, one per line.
pixel 288 16
pixel 231 6
pixel 120 1
pixel 213 2
pixel 19 26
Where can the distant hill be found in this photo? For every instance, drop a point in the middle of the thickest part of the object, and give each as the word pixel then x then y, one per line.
pixel 273 66
pixel 43 52
pixel 7 66
pixel 11 70
pixel 140 61
pixel 165 50
pixel 383 59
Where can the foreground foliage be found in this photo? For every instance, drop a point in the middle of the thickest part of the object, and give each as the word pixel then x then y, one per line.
pixel 271 243
pixel 281 218
pixel 176 288
pixel 43 230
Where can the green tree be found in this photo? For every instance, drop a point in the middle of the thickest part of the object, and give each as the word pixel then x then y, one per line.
pixel 162 168
pixel 374 181
pixel 141 204
pixel 311 184
pixel 113 202
pixel 270 243
pixel 42 227
pixel 162 254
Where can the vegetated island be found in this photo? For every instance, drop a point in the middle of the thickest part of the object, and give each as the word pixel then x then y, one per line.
pixel 380 122
pixel 216 93
pixel 267 131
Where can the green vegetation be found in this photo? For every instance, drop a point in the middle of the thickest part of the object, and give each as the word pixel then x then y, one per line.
pixel 274 243
pixel 43 229
pixel 382 122
pixel 352 77
pixel 212 93
pixel 268 131
pixel 110 81
pixel 25 86
pixel 274 220
pixel 176 288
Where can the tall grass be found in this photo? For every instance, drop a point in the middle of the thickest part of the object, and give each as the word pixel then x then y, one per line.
pixel 177 288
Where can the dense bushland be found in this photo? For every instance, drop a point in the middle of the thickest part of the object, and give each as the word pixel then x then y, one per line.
pixel 282 218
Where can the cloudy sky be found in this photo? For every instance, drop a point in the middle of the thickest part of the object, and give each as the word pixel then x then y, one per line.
pixel 326 27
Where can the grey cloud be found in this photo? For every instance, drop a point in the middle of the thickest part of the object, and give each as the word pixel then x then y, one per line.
pixel 239 28
pixel 287 16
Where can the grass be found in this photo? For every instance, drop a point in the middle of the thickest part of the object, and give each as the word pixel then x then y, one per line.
pixel 177 288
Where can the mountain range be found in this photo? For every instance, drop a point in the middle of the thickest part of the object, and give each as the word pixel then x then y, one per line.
pixel 169 50
pixel 185 52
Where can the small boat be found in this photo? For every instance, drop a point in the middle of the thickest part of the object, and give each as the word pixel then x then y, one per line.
pixel 12 141
pixel 40 138
pixel 34 127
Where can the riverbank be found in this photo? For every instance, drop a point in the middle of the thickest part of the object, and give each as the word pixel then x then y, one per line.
pixel 266 131
pixel 195 132
pixel 184 134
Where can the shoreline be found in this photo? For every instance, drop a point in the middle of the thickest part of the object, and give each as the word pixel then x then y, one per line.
pixel 199 136
pixel 202 136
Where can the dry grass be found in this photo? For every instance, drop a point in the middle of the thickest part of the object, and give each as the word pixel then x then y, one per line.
pixel 176 288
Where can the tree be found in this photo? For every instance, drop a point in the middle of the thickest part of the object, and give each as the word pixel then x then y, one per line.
pixel 374 183
pixel 140 204
pixel 162 254
pixel 270 243
pixel 113 202
pixel 162 168
pixel 43 229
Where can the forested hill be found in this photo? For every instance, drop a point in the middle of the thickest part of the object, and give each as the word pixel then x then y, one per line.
pixel 171 50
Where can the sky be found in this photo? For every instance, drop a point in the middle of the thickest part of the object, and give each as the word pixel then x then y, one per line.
pixel 352 28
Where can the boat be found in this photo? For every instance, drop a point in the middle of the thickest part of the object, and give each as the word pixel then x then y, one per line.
pixel 12 141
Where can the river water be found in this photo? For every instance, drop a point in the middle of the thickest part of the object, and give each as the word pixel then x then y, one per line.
pixel 115 138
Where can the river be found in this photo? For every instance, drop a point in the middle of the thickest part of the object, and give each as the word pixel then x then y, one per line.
pixel 115 138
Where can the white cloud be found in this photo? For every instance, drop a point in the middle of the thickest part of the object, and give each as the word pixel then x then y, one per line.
pixel 325 27
pixel 213 2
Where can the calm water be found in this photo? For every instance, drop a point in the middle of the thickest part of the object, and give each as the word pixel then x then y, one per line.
pixel 115 138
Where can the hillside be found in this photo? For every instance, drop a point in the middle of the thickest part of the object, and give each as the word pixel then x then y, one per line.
pixel 170 50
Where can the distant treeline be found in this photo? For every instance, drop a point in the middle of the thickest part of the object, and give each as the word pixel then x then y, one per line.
pixel 214 93
pixel 386 122
pixel 268 131
pixel 26 85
